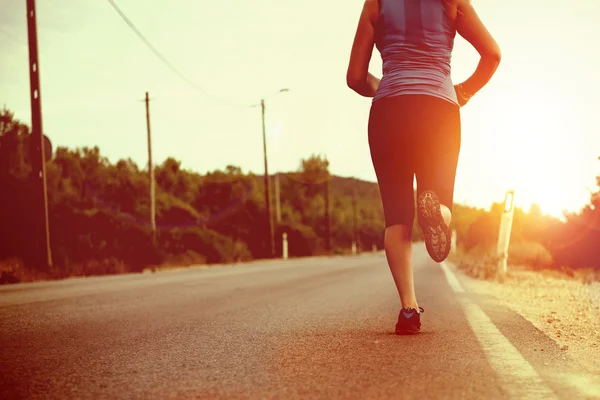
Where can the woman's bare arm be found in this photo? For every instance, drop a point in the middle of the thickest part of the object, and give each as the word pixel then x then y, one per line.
pixel 358 77
pixel 470 27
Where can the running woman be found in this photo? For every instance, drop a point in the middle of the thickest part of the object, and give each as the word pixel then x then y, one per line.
pixel 414 127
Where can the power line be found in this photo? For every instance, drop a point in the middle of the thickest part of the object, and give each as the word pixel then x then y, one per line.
pixel 13 37
pixel 171 66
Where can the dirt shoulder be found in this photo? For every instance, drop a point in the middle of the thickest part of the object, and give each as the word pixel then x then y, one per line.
pixel 565 308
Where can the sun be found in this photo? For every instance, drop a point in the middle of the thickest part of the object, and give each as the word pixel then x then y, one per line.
pixel 533 150
pixel 552 203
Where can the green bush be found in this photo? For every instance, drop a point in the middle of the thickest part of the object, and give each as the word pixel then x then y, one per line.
pixel 530 254
pixel 12 270
pixel 185 259
pixel 302 240
pixel 107 266
pixel 216 248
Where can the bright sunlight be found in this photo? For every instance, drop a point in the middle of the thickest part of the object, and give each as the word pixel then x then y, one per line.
pixel 533 152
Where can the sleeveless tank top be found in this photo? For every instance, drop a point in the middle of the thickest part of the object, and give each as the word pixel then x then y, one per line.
pixel 415 39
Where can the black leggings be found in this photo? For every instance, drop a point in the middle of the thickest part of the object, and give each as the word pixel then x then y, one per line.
pixel 413 135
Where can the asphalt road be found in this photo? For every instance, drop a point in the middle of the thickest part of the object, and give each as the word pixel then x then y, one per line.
pixel 312 328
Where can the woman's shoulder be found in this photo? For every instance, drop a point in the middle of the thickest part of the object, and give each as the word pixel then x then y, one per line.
pixel 453 7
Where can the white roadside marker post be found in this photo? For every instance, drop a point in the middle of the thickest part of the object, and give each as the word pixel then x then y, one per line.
pixel 506 222
pixel 285 246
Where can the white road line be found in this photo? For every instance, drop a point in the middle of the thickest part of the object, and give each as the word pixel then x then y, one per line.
pixel 454 283
pixel 520 379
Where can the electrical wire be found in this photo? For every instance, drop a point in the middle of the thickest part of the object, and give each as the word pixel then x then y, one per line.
pixel 13 37
pixel 171 66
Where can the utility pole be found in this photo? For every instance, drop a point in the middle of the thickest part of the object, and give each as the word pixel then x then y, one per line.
pixel 355 211
pixel 328 209
pixel 267 183
pixel 277 199
pixel 38 156
pixel 151 173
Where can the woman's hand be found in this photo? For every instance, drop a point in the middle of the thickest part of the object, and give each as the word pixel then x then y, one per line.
pixel 461 96
pixel 470 27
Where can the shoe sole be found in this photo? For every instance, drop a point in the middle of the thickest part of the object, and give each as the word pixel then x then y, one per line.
pixel 436 233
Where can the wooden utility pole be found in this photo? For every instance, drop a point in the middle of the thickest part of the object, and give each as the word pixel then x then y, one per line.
pixel 277 199
pixel 355 212
pixel 267 183
pixel 151 173
pixel 41 231
pixel 328 211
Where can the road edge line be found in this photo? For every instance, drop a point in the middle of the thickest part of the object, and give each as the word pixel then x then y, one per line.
pixel 520 379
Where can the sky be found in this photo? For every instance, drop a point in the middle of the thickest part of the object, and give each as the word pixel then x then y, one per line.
pixel 533 128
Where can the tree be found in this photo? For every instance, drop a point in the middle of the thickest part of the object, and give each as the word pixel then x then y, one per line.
pixel 99 213
pixel 575 244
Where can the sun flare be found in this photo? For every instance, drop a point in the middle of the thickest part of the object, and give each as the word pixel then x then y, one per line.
pixel 535 153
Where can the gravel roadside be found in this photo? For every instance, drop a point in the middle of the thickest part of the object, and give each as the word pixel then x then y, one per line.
pixel 564 308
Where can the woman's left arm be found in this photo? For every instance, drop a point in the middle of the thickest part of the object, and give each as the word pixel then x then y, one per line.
pixel 358 77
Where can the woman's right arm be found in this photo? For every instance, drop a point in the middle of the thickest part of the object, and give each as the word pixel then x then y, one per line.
pixel 470 27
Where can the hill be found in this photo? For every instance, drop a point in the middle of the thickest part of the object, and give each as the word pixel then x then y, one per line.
pixel 100 215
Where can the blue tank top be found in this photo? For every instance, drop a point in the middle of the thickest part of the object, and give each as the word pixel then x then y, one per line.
pixel 415 39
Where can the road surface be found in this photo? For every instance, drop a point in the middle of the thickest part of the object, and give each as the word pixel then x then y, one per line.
pixel 319 328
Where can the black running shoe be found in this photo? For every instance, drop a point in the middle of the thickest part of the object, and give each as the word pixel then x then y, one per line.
pixel 435 231
pixel 409 321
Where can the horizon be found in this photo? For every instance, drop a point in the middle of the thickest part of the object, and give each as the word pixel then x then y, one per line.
pixel 535 100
